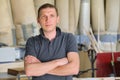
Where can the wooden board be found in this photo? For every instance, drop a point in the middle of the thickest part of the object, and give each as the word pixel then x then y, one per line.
pixel 16 71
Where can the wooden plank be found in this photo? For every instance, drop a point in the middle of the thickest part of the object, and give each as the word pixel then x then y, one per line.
pixel 16 71
pixel 4 66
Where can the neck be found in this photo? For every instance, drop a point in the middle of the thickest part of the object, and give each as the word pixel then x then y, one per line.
pixel 50 35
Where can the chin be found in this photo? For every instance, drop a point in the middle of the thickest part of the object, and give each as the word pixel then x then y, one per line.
pixel 50 30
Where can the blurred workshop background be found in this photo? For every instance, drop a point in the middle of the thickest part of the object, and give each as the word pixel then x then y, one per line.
pixel 94 23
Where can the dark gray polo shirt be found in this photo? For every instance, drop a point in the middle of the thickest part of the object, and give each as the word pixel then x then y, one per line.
pixel 45 50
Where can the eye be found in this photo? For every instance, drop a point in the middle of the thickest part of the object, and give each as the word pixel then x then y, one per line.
pixel 52 15
pixel 43 17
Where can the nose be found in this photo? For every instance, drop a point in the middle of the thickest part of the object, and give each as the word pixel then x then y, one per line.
pixel 47 18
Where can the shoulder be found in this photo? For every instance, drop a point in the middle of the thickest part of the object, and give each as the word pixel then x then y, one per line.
pixel 71 43
pixel 33 39
pixel 68 35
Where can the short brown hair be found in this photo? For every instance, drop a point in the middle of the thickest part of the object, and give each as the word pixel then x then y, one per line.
pixel 47 5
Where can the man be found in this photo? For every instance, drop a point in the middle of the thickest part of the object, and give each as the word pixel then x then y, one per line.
pixel 52 55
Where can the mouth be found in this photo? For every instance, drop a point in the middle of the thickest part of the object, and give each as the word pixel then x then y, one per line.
pixel 48 25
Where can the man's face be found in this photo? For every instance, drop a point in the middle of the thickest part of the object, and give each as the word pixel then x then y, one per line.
pixel 48 19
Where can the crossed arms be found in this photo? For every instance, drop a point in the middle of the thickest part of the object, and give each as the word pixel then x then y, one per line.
pixel 61 67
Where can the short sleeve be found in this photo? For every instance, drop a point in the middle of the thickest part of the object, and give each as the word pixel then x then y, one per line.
pixel 30 47
pixel 71 43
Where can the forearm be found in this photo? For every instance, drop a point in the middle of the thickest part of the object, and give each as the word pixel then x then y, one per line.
pixel 37 69
pixel 68 69
pixel 72 68
pixel 34 67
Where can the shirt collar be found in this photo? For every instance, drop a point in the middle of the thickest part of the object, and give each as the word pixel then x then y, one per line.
pixel 58 30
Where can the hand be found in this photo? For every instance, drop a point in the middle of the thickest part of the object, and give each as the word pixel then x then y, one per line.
pixel 62 61
pixel 31 59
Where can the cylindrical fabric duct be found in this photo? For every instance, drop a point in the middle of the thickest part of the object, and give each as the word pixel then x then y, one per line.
pixel 38 3
pixel 10 11
pixel 119 24
pixel 6 36
pixel 5 19
pixel 6 23
pixel 74 9
pixel 77 11
pixel 19 35
pixel 98 17
pixel 23 11
pixel 84 23
pixel 112 15
pixel 63 9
